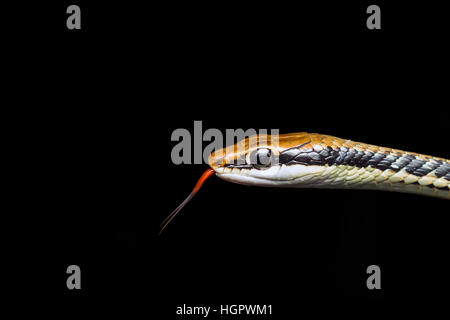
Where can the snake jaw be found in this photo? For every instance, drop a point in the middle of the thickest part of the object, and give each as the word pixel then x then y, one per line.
pixel 277 175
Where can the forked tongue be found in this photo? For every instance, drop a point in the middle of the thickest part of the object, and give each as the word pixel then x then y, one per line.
pixel 208 173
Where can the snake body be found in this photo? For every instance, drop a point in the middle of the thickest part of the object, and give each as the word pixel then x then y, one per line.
pixel 311 160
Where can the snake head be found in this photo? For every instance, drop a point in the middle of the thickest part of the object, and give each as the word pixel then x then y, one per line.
pixel 257 151
pixel 260 159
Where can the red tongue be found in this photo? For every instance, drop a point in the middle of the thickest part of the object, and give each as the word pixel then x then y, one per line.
pixel 208 173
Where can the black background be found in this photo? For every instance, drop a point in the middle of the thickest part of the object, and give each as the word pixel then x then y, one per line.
pixel 102 103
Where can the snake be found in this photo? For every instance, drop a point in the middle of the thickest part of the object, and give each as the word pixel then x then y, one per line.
pixel 312 160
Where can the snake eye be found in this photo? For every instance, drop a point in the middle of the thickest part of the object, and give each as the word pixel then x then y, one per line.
pixel 261 158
